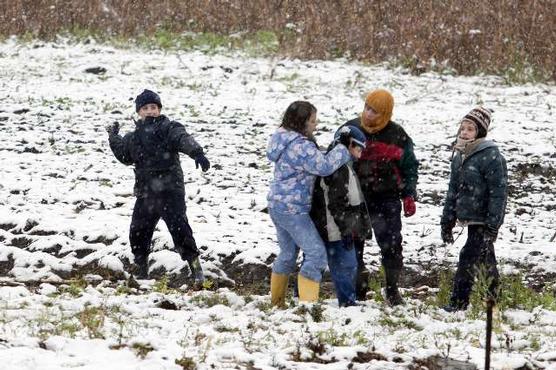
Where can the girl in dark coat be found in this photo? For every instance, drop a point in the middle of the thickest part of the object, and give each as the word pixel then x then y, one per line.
pixel 476 198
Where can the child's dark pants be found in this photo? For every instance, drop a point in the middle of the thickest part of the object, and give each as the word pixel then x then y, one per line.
pixel 146 214
pixel 475 255
pixel 387 225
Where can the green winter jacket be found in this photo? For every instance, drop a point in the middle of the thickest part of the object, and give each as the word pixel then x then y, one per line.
pixel 477 192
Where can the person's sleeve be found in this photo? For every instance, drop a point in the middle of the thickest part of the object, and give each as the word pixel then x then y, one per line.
pixel 496 176
pixel 180 140
pixel 306 156
pixel 121 148
pixel 409 166
pixel 449 211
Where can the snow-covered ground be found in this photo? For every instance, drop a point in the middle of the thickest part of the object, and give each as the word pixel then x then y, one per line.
pixel 65 207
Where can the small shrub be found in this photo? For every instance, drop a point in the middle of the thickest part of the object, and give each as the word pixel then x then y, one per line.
pixel 535 343
pixel 481 290
pixel 515 294
pixel 123 289
pixel 75 288
pixel 375 285
pixel 210 300
pixel 360 338
pixel 395 323
pixel 142 349
pixel 186 363
pixel 92 319
pixel 208 284
pixel 161 285
pixel 221 328
pixel 264 306
pixel 445 278
pixel 333 338
pixel 317 312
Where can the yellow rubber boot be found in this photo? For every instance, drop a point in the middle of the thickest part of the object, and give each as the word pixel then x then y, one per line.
pixel 308 289
pixel 278 288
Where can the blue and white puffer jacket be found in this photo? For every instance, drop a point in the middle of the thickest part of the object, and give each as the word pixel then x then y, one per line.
pixel 298 162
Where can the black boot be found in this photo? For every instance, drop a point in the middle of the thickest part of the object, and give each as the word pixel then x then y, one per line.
pixel 453 307
pixel 196 272
pixel 363 275
pixel 140 268
pixel 393 297
pixel 362 284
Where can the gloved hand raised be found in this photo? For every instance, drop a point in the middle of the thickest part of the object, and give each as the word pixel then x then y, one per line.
pixel 201 160
pixel 113 128
pixel 345 138
pixel 409 207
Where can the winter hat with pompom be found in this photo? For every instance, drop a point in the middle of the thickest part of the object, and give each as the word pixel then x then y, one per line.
pixel 480 117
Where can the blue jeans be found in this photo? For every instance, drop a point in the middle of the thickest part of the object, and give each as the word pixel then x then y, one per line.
pixel 342 263
pixel 295 230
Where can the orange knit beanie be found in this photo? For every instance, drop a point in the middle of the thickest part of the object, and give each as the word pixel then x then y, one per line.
pixel 382 103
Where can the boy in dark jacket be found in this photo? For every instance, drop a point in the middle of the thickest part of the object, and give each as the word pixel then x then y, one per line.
pixel 339 211
pixel 476 198
pixel 387 171
pixel 153 149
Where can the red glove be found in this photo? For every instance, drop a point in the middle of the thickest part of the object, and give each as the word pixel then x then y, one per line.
pixel 408 206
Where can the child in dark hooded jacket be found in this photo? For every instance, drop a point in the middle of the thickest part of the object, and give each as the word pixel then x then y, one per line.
pixel 339 212
pixel 476 198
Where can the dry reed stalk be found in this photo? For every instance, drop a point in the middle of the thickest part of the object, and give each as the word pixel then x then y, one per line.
pixel 470 35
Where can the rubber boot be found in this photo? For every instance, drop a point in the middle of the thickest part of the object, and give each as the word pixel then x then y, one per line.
pixel 362 283
pixel 278 288
pixel 140 268
pixel 196 273
pixel 393 297
pixel 308 289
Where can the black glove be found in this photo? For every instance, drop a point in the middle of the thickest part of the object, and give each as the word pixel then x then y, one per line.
pixel 345 138
pixel 201 160
pixel 490 234
pixel 446 233
pixel 113 128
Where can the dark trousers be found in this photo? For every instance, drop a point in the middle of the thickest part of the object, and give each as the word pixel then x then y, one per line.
pixel 146 214
pixel 387 226
pixel 476 254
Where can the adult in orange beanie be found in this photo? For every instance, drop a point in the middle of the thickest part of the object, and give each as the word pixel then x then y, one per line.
pixel 387 172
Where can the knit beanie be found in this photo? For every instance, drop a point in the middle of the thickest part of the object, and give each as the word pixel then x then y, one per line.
pixel 147 97
pixel 480 116
pixel 382 103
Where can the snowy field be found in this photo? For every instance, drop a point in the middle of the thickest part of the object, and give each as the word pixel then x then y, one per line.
pixel 65 208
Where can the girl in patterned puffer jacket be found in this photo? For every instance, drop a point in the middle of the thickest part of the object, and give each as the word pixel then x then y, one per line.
pixel 298 161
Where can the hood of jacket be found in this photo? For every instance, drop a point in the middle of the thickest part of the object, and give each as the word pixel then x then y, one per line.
pixel 279 141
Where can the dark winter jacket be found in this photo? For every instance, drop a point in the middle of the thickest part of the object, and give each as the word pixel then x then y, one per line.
pixel 153 148
pixel 477 192
pixel 338 208
pixel 387 167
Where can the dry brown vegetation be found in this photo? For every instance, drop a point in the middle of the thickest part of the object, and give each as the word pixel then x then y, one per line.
pixel 469 36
